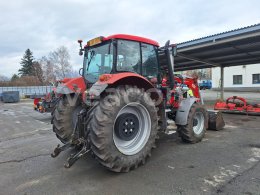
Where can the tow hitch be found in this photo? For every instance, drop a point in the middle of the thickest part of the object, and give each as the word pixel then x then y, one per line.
pixel 78 140
pixel 74 157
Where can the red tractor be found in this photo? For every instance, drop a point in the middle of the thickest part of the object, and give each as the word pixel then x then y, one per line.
pixel 127 93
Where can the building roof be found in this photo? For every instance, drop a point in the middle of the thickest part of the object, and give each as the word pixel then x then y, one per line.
pixel 232 48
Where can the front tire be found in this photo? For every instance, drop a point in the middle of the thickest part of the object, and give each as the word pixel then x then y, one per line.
pixel 123 129
pixel 197 124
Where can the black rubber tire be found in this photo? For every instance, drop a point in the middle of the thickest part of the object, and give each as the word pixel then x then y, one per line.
pixel 63 119
pixel 102 126
pixel 186 131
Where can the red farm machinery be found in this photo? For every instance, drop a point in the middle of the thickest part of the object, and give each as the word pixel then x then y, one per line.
pixel 49 101
pixel 238 105
pixel 126 95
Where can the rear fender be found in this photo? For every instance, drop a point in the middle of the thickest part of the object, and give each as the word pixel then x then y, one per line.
pixel 120 79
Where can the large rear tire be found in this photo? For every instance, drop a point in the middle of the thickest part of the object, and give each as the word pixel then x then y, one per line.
pixel 64 119
pixel 195 130
pixel 123 129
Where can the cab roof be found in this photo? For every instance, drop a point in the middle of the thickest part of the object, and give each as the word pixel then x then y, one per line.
pixel 132 38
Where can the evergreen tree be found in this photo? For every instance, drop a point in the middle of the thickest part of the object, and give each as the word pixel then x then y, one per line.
pixel 14 77
pixel 27 64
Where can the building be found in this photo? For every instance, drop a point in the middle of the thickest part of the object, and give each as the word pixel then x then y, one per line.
pixel 228 49
pixel 244 78
pixel 203 74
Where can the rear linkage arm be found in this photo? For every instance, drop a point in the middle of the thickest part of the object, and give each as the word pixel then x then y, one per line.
pixel 78 139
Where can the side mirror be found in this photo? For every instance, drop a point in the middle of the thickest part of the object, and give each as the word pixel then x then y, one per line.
pixel 81 71
pixel 80 49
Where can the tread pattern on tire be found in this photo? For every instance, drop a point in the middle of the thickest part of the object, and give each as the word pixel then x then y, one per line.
pixel 101 130
pixel 62 120
pixel 186 131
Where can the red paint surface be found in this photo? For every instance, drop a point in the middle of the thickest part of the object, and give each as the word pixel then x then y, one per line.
pixel 116 77
pixel 237 104
pixel 132 38
pixel 78 82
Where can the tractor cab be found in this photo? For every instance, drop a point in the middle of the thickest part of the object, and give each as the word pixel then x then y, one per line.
pixel 120 54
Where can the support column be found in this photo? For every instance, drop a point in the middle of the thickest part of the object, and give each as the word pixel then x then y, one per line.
pixel 222 83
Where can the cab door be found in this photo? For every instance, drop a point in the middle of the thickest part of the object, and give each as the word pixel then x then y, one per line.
pixel 149 61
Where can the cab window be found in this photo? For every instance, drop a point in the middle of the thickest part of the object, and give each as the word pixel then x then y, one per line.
pixel 149 61
pixel 128 56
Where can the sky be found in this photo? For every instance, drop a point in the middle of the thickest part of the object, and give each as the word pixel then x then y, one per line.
pixel 43 26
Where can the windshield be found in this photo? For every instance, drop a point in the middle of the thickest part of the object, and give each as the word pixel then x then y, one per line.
pixel 97 61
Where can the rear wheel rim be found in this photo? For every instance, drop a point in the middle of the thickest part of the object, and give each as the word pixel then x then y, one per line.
pixel 131 142
pixel 198 123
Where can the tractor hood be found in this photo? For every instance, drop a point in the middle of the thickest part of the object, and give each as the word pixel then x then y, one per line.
pixel 71 85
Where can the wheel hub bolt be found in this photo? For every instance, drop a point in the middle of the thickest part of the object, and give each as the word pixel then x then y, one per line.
pixel 126 126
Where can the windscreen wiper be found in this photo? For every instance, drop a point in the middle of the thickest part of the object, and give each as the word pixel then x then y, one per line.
pixel 92 53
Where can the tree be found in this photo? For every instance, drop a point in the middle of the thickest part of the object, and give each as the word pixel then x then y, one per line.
pixel 60 60
pixel 48 70
pixel 15 77
pixel 38 73
pixel 27 64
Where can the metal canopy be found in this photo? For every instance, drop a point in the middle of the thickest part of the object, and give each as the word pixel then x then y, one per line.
pixel 232 48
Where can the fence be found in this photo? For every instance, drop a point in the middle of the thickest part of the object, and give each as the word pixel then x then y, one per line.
pixel 28 90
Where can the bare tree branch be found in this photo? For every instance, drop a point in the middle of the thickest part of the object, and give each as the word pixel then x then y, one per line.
pixel 60 60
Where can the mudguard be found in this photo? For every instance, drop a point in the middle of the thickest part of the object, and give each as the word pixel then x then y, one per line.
pixel 97 89
pixel 114 80
pixel 69 86
pixel 183 111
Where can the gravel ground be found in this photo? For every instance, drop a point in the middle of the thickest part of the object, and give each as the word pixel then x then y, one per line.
pixel 225 162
